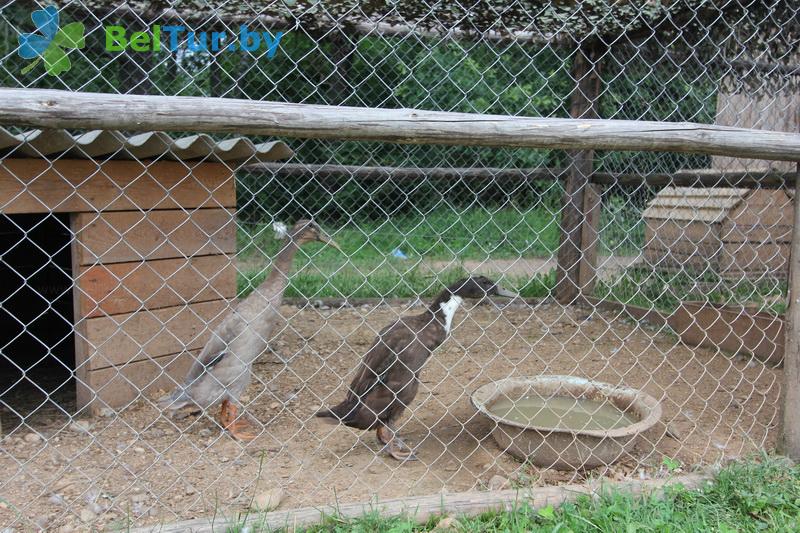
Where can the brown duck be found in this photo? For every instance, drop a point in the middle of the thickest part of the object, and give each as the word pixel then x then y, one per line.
pixel 388 376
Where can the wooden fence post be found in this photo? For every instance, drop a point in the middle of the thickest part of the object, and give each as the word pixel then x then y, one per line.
pixel 590 238
pixel 583 104
pixel 789 438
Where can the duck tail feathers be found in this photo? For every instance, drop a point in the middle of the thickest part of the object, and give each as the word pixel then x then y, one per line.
pixel 326 413
pixel 345 412
pixel 342 412
pixel 175 400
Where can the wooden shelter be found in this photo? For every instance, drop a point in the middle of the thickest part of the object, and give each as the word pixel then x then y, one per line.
pixel 735 232
pixel 151 232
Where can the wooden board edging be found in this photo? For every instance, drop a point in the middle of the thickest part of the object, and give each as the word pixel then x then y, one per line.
pixel 731 329
pixel 713 326
pixel 421 508
pixel 335 302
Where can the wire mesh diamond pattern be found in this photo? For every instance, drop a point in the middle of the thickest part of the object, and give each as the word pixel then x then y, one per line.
pixel 178 309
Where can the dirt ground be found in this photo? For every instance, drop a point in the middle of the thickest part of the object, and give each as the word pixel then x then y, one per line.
pixel 139 466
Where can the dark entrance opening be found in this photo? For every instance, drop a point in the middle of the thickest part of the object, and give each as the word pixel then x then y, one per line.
pixel 37 345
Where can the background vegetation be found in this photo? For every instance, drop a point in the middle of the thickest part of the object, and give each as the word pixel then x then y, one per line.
pixel 429 220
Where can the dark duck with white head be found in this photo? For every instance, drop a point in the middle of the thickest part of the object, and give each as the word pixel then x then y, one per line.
pixel 222 371
pixel 388 376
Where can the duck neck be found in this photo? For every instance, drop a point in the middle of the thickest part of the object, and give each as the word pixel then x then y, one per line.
pixel 445 307
pixel 278 278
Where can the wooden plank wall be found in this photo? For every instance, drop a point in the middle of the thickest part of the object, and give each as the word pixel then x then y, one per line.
pixel 682 244
pixel 151 261
pixel 757 235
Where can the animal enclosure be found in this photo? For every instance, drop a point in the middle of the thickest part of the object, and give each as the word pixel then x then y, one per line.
pixel 157 232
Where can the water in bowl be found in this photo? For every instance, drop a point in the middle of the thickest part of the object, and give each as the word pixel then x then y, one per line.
pixel 562 412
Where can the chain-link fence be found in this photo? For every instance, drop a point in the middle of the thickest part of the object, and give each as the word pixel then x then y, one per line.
pixel 124 255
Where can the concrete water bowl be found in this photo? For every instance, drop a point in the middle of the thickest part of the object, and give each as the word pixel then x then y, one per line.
pixel 566 449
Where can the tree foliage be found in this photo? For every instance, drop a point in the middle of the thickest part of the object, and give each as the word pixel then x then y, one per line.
pixel 344 68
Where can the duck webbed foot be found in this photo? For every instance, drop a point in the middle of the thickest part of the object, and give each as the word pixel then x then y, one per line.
pixel 394 445
pixel 239 428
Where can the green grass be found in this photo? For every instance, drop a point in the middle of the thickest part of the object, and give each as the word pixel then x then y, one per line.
pixel 367 269
pixel 645 287
pixel 754 496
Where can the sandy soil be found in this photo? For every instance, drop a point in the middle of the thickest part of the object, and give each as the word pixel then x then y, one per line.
pixel 140 466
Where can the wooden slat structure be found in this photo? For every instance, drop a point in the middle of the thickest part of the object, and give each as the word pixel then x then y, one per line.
pixel 421 509
pixel 733 231
pixel 149 282
pixel 152 248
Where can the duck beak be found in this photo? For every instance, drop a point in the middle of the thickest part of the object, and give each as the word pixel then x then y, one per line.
pixel 328 240
pixel 506 293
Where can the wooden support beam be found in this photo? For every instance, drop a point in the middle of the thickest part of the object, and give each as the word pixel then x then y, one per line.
pixel 301 170
pixel 590 238
pixel 45 108
pixel 584 101
pixel 704 177
pixel 789 440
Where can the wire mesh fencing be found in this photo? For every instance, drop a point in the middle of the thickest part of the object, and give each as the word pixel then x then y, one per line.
pixel 173 325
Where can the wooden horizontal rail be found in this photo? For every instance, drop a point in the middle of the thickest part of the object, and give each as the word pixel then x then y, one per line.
pixel 300 170
pixel 44 108
pixel 697 178
pixel 421 508
pixel 705 177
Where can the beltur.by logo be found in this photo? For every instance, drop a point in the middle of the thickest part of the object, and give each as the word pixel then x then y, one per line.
pixel 51 42
pixel 173 37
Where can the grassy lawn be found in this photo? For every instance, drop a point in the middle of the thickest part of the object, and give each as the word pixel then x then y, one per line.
pixel 368 269
pixel 754 496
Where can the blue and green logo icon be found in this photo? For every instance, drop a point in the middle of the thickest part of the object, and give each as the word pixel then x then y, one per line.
pixel 51 43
